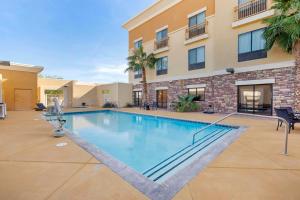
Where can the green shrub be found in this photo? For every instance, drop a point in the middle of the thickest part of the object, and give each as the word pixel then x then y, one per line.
pixel 186 104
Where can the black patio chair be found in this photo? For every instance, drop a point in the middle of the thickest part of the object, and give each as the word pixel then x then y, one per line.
pixel 290 118
pixel 296 115
pixel 40 107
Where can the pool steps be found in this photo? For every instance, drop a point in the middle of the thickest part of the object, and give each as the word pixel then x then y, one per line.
pixel 163 168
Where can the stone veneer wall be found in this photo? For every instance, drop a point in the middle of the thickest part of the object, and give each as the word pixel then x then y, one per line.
pixel 221 91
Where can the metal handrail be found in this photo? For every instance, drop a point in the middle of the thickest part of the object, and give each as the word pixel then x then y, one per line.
pixel 252 115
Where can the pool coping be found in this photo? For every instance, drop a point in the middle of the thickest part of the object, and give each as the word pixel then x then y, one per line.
pixel 169 188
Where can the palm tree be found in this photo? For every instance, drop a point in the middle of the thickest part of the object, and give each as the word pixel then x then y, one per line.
pixel 284 30
pixel 141 61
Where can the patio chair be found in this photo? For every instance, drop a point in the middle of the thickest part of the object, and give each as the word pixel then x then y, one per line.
pixel 154 106
pixel 284 113
pixel 291 112
pixel 40 107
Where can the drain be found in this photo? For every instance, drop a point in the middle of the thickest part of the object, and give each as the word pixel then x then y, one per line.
pixel 62 144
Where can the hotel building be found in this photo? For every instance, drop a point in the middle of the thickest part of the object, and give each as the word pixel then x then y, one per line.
pixel 213 49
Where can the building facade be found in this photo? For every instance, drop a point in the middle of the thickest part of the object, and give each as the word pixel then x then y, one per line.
pixel 18 85
pixel 215 50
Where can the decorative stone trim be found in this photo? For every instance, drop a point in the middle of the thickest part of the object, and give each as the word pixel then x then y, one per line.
pixel 196 86
pixel 221 90
pixel 161 88
pixel 256 82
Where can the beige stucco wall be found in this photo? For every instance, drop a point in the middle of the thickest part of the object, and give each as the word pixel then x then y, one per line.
pixel 56 84
pixel 84 94
pixel 1 99
pixel 12 79
pixel 118 93
pixel 221 46
pixel 91 94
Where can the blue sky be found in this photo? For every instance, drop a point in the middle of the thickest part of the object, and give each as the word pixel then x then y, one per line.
pixel 75 39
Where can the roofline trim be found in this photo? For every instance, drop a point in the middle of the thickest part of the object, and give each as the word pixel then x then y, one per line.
pixel 34 69
pixel 129 27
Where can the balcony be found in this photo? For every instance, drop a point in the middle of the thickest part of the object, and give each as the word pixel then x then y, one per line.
pixel 250 8
pixel 161 43
pixel 195 31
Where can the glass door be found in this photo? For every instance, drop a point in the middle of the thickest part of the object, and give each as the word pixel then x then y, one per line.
pixel 137 98
pixel 162 98
pixel 255 99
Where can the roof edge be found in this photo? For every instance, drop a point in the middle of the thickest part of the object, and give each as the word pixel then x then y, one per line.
pixel 129 26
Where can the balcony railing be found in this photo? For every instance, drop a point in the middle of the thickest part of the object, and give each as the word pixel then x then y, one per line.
pixel 161 43
pixel 250 8
pixel 195 30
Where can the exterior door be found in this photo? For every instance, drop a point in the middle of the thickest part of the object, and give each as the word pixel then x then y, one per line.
pixel 162 98
pixel 256 99
pixel 23 99
pixel 137 98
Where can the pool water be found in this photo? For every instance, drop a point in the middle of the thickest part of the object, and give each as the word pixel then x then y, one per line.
pixel 139 141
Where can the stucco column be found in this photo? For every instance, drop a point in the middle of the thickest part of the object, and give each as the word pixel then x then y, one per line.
pixel 297 80
pixel 1 95
pixel 297 84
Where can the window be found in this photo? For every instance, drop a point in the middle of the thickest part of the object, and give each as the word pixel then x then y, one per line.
pixel 161 39
pixel 138 74
pixel 197 58
pixel 255 99
pixel 162 98
pixel 161 35
pixel 199 93
pixel 162 66
pixel 252 45
pixel 197 19
pixel 137 98
pixel 196 25
pixel 138 44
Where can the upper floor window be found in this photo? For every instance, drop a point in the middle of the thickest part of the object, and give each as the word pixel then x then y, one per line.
pixel 162 66
pixel 161 39
pixel 138 44
pixel 196 25
pixel 138 74
pixel 197 58
pixel 252 45
pixel 199 93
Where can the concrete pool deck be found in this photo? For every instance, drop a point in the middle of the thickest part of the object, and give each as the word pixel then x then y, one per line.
pixel 32 167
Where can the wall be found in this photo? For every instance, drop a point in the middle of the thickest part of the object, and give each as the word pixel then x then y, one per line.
pixel 118 93
pixel 84 94
pixel 56 84
pixel 221 91
pixel 168 17
pixel 18 80
pixel 221 46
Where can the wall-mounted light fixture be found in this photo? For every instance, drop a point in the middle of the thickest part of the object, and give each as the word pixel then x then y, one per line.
pixel 230 70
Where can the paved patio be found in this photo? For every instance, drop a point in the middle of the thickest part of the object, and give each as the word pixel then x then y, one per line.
pixel 32 167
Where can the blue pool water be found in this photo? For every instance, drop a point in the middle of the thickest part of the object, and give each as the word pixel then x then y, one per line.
pixel 139 141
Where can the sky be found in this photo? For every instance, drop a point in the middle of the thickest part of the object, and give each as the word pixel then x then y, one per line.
pixel 73 39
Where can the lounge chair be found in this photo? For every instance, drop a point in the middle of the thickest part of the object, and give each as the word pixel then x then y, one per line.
pixel 289 117
pixel 40 107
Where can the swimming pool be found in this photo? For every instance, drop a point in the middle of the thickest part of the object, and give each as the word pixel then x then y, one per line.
pixel 153 146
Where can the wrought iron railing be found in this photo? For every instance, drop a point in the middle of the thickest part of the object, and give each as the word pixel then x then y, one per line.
pixel 250 8
pixel 196 30
pixel 158 44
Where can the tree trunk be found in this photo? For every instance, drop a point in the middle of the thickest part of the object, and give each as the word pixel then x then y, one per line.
pixel 145 89
pixel 297 83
